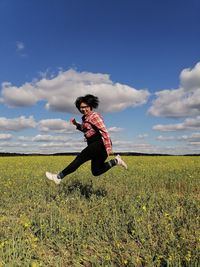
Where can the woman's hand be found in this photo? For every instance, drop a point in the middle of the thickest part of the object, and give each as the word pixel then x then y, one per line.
pixel 109 152
pixel 73 121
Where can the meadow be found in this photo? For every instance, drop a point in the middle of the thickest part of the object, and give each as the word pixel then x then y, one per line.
pixel 145 216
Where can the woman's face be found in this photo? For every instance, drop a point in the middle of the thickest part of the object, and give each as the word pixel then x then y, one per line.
pixel 84 108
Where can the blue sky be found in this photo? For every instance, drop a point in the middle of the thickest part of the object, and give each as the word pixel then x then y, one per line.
pixel 141 58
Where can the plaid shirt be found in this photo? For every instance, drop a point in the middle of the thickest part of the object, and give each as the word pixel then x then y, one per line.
pixel 86 127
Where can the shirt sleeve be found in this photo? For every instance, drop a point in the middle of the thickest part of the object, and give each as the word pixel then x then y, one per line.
pixel 97 120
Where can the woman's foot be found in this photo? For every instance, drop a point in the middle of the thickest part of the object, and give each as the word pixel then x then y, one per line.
pixel 120 162
pixel 53 177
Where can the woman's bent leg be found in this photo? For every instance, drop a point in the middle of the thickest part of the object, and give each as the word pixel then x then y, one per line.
pixel 98 164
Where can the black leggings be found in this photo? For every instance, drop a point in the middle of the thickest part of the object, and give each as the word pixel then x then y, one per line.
pixel 95 152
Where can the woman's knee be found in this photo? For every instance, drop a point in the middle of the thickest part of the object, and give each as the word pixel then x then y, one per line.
pixel 96 172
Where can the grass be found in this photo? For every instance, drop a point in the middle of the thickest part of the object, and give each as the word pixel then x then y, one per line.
pixel 146 216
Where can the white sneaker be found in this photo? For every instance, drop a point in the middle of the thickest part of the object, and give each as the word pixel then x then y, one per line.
pixel 53 177
pixel 120 162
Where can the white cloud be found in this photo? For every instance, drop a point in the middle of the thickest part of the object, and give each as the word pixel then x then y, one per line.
pixel 165 138
pixel 44 138
pixel 56 125
pixel 5 136
pixel 169 127
pixel 65 146
pixel 16 124
pixel 188 124
pixel 192 139
pixel 15 97
pixel 145 147
pixel 115 129
pixel 25 146
pixel 192 123
pixel 181 102
pixel 132 146
pixel 143 136
pixel 20 46
pixel 190 78
pixel 20 49
pixel 196 144
pixel 61 92
pixel 62 147
pixel 14 147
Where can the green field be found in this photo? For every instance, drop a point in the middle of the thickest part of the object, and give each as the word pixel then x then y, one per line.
pixel 146 216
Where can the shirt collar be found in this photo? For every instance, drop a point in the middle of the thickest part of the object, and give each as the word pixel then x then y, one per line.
pixel 85 117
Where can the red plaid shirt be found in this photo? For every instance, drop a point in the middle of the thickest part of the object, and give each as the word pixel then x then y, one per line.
pixel 95 119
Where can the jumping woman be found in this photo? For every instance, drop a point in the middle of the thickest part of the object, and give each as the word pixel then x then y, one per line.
pixel 99 145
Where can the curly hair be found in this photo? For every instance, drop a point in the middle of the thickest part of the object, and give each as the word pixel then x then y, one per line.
pixel 91 100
